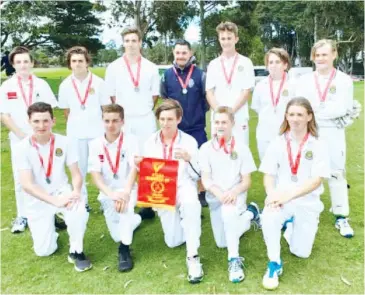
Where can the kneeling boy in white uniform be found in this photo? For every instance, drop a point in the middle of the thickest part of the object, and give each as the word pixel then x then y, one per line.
pixel 226 165
pixel 111 164
pixel 41 161
pixel 294 165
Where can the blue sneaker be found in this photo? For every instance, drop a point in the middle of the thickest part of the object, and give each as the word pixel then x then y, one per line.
pixel 256 220
pixel 235 269
pixel 288 221
pixel 270 280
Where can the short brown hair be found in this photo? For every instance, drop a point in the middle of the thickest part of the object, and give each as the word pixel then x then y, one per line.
pixel 225 110
pixel 280 53
pixel 321 43
pixel 132 30
pixel 303 102
pixel 40 107
pixel 77 50
pixel 19 50
pixel 113 108
pixel 227 26
pixel 169 104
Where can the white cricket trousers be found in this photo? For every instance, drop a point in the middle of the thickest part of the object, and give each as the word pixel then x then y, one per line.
pixel 19 193
pixel 140 126
pixel 41 220
pixel 305 226
pixel 229 222
pixel 184 223
pixel 83 154
pixel 336 142
pixel 121 225
pixel 262 146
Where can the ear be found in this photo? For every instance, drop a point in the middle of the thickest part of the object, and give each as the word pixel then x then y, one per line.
pixel 310 118
pixel 237 39
pixel 179 120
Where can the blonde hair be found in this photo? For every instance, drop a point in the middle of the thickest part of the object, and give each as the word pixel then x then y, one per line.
pixel 280 53
pixel 303 102
pixel 321 43
pixel 227 26
pixel 225 110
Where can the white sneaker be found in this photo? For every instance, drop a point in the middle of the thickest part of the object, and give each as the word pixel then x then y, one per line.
pixel 19 225
pixel 195 269
pixel 270 280
pixel 342 224
pixel 235 269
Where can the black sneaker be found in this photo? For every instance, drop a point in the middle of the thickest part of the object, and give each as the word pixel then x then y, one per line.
pixel 146 213
pixel 125 260
pixel 202 199
pixel 81 262
pixel 59 223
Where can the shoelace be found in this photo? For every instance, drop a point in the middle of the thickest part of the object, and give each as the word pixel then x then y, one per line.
pixel 236 264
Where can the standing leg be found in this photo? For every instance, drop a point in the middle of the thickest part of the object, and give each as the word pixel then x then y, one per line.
pixel 83 158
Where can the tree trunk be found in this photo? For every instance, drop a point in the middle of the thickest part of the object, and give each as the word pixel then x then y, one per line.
pixel 315 28
pixel 166 49
pixel 202 35
pixel 137 14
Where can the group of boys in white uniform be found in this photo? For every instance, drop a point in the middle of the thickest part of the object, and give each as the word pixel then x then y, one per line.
pixel 294 163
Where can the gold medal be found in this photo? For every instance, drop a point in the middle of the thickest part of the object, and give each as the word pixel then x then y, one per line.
pixel 234 155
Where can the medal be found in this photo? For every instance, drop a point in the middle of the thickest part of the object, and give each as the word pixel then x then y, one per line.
pixel 234 155
pixel 184 84
pixel 135 81
pixel 322 96
pixel 88 88
pixel 229 78
pixel 169 156
pixel 294 166
pixel 28 101
pixel 119 148
pixel 275 100
pixel 50 157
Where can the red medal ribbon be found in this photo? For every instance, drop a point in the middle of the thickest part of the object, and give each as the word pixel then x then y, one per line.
pixel 50 157
pixel 134 81
pixel 82 102
pixel 183 84
pixel 322 96
pixel 169 157
pixel 294 166
pixel 27 102
pixel 275 100
pixel 119 148
pixel 229 79
pixel 222 144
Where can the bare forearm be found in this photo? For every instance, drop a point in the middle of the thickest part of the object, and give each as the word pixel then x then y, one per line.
pixel 10 124
pixel 212 101
pixel 131 180
pixel 269 183
pixel 77 182
pixel 307 187
pixel 38 192
pixel 100 184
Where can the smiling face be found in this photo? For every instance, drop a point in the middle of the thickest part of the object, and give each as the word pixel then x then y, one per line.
pixel 41 123
pixel 228 41
pixel 182 55
pixel 298 118
pixel 223 125
pixel 168 121
pixel 324 57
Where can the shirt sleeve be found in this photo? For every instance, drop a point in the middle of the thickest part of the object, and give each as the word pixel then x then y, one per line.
pixel 63 97
pixel 204 159
pixel 94 162
pixel 211 79
pixel 255 104
pixel 3 100
pixel 155 82
pixel 110 81
pixel 48 95
pixel 22 159
pixel 249 76
pixel 321 161
pixel 269 164
pixel 193 165
pixel 247 164
pixel 104 98
pixel 72 152
pixel 133 150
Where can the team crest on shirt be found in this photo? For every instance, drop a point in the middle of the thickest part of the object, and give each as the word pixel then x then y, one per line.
pixel 309 155
pixel 285 92
pixel 240 68
pixel 59 152
pixel 191 83
pixel 333 89
pixel 91 91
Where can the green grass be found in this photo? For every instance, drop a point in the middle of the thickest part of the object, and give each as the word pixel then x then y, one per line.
pixel 159 269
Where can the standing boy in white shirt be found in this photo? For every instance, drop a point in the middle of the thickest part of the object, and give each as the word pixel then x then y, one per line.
pixel 295 164
pixel 81 95
pixel 16 95
pixel 331 92
pixel 226 166
pixel 270 98
pixel 111 164
pixel 41 160
pixel 230 78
